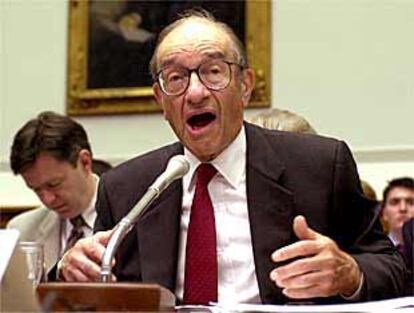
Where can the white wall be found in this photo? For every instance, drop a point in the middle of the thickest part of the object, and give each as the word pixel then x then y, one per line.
pixel 345 65
pixel 349 67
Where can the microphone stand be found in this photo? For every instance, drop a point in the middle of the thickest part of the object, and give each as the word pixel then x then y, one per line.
pixel 121 230
pixel 177 167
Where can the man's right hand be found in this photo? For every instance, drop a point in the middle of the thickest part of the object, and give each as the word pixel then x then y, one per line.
pixel 82 262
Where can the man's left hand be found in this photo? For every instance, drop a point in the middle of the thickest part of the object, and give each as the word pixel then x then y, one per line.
pixel 322 269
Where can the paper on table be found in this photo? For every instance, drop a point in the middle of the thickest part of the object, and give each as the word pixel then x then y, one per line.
pixel 8 241
pixel 405 304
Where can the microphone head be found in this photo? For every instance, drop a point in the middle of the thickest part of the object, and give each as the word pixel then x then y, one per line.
pixel 178 166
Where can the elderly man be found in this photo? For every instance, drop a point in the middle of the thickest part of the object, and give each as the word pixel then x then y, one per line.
pixel 262 216
pixel 53 155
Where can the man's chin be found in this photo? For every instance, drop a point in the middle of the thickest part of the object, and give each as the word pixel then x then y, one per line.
pixel 65 213
pixel 204 152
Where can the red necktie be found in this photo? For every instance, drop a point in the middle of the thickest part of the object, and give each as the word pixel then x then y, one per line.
pixel 200 282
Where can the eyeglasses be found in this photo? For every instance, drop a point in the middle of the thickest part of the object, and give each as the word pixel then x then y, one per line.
pixel 214 74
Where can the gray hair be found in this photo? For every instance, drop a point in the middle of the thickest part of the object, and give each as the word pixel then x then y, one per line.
pixel 283 120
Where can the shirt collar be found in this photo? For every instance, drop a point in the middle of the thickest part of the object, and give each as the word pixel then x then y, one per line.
pixel 231 163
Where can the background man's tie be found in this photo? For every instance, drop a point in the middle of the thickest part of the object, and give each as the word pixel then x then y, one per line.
pixel 76 233
pixel 200 283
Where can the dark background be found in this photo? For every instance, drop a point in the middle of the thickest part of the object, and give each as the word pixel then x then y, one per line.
pixel 116 62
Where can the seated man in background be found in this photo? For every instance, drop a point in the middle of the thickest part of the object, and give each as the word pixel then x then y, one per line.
pixel 397 207
pixel 262 216
pixel 53 155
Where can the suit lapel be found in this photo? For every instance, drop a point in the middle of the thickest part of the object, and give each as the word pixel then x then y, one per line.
pixel 49 234
pixel 158 232
pixel 271 209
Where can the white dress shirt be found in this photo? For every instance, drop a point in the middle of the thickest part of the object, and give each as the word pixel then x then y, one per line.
pixel 237 281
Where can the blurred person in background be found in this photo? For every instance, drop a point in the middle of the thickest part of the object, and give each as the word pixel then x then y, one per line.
pixel 53 155
pixel 283 120
pixel 397 207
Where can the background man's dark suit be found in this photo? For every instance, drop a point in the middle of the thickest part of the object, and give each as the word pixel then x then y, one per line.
pixel 408 239
pixel 287 174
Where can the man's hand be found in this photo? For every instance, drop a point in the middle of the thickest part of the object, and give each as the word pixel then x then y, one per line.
pixel 82 262
pixel 322 269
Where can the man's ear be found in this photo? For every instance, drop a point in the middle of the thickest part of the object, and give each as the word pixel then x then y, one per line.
pixel 248 81
pixel 158 94
pixel 85 160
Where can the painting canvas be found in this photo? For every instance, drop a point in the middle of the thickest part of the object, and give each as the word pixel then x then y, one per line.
pixel 111 43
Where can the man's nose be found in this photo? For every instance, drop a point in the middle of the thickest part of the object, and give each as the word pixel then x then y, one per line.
pixel 403 206
pixel 196 91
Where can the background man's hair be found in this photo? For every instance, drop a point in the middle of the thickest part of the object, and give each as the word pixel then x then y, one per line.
pixel 56 135
pixel 283 120
pixel 404 182
pixel 204 15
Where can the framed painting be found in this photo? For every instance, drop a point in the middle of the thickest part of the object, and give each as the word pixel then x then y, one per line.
pixel 111 43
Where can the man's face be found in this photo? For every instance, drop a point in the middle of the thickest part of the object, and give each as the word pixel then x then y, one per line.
pixel 398 207
pixel 205 121
pixel 60 186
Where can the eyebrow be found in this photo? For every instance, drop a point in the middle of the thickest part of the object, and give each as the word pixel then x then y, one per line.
pixel 172 60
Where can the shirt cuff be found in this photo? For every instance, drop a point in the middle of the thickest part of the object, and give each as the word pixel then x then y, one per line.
pixel 59 276
pixel 357 294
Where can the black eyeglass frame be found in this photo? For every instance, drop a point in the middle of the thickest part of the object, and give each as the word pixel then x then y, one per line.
pixel 189 71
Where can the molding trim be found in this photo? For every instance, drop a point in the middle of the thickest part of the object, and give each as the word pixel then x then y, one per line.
pixel 384 154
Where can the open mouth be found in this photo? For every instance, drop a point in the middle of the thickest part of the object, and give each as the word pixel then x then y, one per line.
pixel 201 120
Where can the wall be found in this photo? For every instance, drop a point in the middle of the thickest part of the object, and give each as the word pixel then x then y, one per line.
pixel 346 65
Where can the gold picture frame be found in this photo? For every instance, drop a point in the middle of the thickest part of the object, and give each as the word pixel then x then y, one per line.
pixel 82 100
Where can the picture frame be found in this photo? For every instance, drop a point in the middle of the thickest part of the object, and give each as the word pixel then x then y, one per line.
pixel 89 94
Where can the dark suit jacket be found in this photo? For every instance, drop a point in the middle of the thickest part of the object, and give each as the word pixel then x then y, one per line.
pixel 408 240
pixel 287 174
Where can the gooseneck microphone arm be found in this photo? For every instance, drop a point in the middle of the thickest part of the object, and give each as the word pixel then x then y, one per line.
pixel 177 167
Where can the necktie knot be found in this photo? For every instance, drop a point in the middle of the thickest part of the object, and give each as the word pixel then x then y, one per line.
pixel 77 222
pixel 205 172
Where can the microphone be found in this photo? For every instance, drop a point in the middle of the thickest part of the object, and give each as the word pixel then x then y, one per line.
pixel 176 168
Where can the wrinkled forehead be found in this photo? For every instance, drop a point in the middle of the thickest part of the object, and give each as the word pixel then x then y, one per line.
pixel 196 39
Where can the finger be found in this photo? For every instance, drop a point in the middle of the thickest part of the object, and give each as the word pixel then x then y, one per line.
pixel 297 249
pixel 92 247
pixel 103 237
pixel 74 275
pixel 308 280
pixel 89 268
pixel 76 259
pixel 296 268
pixel 302 230
pixel 314 291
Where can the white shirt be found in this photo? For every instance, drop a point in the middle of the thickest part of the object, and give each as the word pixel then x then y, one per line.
pixel 237 281
pixel 89 216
